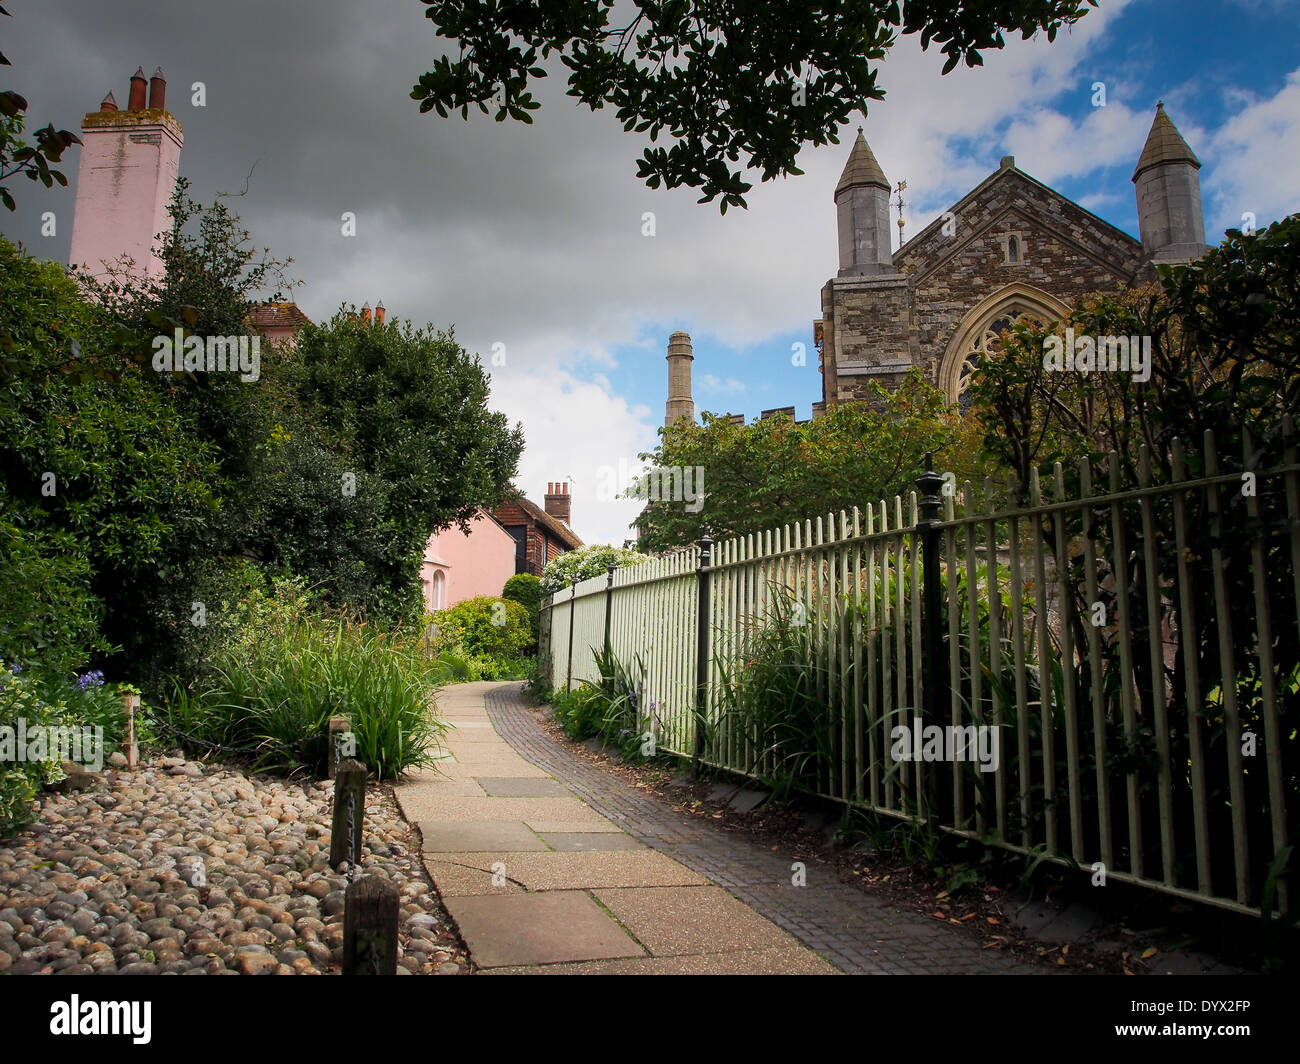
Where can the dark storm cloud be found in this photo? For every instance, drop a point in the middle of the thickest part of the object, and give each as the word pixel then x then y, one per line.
pixel 508 230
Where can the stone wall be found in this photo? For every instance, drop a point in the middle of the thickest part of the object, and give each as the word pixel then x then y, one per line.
pixel 875 328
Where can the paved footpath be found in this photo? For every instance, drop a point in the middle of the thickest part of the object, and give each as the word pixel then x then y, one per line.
pixel 549 865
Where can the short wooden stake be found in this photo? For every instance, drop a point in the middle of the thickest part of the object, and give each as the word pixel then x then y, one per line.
pixel 130 703
pixel 350 780
pixel 370 927
pixel 337 727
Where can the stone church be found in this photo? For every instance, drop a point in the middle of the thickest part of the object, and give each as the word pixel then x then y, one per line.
pixel 1010 247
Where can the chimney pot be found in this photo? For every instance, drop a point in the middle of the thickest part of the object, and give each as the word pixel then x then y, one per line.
pixel 365 314
pixel 109 102
pixel 158 90
pixel 138 85
pixel 558 504
pixel 380 312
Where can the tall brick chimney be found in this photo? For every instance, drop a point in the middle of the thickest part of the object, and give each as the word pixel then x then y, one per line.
pixel 680 356
pixel 558 501
pixel 126 175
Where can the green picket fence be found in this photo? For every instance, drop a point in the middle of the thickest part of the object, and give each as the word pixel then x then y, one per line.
pixel 1136 646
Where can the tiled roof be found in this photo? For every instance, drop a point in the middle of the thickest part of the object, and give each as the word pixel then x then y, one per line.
pixel 553 525
pixel 278 316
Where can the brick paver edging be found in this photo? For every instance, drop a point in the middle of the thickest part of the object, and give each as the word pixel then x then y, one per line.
pixel 852 930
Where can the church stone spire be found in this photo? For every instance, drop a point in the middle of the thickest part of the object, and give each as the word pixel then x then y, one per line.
pixel 1170 220
pixel 862 207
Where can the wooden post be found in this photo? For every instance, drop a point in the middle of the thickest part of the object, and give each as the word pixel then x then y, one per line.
pixel 349 782
pixel 338 726
pixel 370 927
pixel 130 703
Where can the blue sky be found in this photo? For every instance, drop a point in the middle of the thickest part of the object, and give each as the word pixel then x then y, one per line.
pixel 1207 59
pixel 531 236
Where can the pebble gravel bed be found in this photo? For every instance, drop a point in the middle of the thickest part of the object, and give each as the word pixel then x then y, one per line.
pixel 192 868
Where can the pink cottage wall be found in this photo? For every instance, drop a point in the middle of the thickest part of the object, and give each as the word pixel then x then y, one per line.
pixel 457 567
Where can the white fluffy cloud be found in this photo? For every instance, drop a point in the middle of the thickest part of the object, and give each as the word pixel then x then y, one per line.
pixel 1253 161
pixel 580 431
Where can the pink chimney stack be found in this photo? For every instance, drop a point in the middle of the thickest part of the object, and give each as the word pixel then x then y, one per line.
pixel 126 177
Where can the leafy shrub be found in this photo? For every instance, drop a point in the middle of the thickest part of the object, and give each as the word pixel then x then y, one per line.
pixel 451 667
pixel 136 483
pixel 581 712
pixel 406 410
pixel 492 629
pixel 494 669
pixel 21 780
pixel 93 703
pixel 539 681
pixel 592 560
pixel 51 618
pixel 526 589
pixel 242 603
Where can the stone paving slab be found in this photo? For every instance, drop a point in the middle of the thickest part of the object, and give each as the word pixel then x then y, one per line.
pixel 687 920
pixel 439 783
pixel 458 881
pixel 492 836
pixel 545 928
pixel 496 765
pixel 580 898
pixel 521 787
pixel 853 929
pixel 585 871
pixel 590 840
pixel 453 807
pixel 571 827
pixel 797 961
pixel 458 735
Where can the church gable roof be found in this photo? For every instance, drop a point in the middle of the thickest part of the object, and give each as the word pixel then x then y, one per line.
pixel 1009 190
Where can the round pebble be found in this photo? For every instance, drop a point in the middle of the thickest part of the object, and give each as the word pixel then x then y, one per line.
pixel 192 868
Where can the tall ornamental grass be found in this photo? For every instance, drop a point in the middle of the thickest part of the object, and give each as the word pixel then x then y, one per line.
pixel 277 695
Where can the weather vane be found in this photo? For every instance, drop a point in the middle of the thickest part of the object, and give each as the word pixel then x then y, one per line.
pixel 901 187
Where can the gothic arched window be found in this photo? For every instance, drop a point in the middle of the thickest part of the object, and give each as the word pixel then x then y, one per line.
pixel 1013 250
pixel 978 332
pixel 986 342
